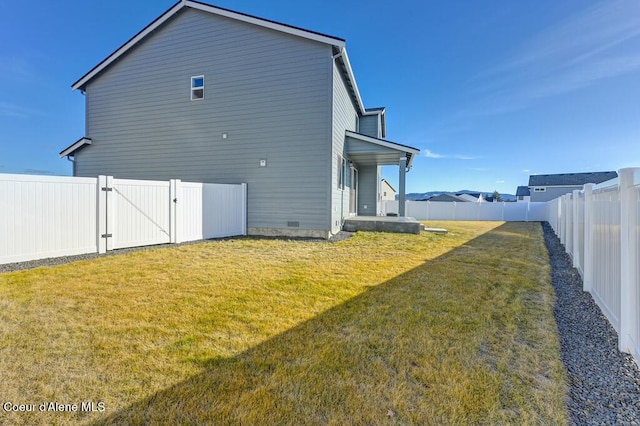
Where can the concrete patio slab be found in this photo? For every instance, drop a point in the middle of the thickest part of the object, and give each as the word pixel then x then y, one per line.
pixel 402 225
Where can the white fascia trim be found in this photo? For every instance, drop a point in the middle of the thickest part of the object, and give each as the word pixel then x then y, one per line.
pixel 75 146
pixel 115 55
pixel 375 112
pixel 386 144
pixel 266 24
pixel 352 78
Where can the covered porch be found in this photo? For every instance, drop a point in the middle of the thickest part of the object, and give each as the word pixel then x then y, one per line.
pixel 366 156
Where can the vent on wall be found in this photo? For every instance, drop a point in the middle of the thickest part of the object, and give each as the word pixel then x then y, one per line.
pixel 295 224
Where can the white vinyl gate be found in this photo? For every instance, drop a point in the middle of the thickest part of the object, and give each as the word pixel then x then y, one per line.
pixel 138 212
pixel 50 216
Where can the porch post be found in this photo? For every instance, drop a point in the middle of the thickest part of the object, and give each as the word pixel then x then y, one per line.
pixel 401 195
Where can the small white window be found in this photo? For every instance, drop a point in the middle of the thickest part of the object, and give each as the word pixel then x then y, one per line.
pixel 341 172
pixel 197 87
pixel 540 189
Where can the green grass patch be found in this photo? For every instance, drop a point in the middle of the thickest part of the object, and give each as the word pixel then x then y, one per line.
pixel 376 329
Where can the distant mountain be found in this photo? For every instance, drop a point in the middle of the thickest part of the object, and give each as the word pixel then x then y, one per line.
pixel 427 195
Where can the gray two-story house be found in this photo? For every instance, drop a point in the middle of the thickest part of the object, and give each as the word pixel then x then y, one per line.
pixel 548 187
pixel 207 94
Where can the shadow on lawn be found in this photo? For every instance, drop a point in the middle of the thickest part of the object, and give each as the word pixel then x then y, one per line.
pixel 376 355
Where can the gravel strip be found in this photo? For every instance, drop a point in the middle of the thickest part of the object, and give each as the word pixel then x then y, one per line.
pixel 10 267
pixel 604 383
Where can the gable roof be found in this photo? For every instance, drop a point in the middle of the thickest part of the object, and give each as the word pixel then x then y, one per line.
pixel 523 191
pixel 571 179
pixel 338 43
pixel 390 186
pixel 448 198
pixel 395 149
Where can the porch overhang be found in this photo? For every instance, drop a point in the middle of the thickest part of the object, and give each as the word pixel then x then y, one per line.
pixel 367 150
pixel 75 147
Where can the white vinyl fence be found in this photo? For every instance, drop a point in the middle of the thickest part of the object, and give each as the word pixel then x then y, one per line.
pixel 50 216
pixel 600 228
pixel 434 210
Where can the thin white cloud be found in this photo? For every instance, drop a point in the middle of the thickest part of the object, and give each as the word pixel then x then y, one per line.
pixel 526 171
pixel 499 181
pixel 15 111
pixel 430 154
pixel 579 37
pixel 465 157
pixel 577 52
pixel 579 77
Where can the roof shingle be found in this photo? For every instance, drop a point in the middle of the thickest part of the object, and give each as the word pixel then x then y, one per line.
pixel 571 178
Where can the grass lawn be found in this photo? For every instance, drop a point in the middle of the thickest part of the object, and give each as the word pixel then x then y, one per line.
pixel 376 329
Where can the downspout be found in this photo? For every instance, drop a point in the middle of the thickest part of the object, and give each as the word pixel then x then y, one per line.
pixel 73 162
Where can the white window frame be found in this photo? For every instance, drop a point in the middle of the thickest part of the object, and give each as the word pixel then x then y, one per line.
pixel 195 88
pixel 341 172
pixel 540 189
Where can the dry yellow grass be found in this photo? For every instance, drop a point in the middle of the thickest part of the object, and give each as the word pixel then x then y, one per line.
pixel 377 329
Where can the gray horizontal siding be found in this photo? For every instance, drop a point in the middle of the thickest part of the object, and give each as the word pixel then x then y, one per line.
pixel 344 118
pixel 370 125
pixel 355 146
pixel 368 190
pixel 552 193
pixel 267 90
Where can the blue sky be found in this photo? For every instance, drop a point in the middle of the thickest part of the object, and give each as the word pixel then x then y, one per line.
pixel 490 91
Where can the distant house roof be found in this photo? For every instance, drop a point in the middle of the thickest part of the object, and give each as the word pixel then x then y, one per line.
pixel 448 198
pixel 390 186
pixel 571 179
pixel 523 191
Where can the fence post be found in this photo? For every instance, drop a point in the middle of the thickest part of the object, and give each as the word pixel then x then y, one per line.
pixel 574 233
pixel 560 218
pixel 244 208
pixel 568 242
pixel 110 212
pixel 587 280
pixel 175 210
pixel 102 214
pixel 628 261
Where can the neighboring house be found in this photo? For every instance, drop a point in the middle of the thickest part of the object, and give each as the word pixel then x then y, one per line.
pixel 523 194
pixel 474 197
pixel 211 95
pixel 387 192
pixel 548 187
pixel 448 198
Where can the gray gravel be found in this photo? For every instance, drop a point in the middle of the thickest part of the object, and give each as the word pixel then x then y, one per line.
pixel 604 383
